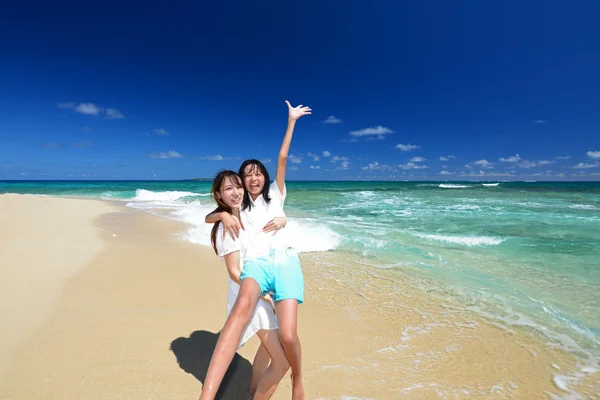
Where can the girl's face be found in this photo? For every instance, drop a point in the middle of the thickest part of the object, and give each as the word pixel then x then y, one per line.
pixel 254 180
pixel 232 192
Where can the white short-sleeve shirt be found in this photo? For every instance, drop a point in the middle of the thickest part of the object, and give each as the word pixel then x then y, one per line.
pixel 254 220
pixel 263 316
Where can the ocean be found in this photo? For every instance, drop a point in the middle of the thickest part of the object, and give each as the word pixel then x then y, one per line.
pixel 517 253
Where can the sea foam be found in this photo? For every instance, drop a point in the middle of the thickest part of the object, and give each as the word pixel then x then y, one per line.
pixel 306 235
pixel 464 240
pixel 452 186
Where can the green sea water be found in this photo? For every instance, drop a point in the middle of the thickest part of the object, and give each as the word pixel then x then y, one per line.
pixel 519 253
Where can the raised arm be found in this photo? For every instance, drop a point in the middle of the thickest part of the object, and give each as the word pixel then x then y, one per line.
pixel 294 113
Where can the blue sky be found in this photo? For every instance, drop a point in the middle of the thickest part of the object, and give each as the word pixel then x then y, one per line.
pixel 399 90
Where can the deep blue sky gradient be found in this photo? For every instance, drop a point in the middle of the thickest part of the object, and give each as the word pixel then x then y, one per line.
pixel 481 81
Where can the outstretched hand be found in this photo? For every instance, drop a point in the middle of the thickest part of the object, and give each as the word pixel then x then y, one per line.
pixel 296 112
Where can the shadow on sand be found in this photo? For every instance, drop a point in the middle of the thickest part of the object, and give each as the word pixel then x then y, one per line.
pixel 193 356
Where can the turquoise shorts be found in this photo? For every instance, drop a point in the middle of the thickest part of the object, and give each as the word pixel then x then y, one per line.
pixel 278 273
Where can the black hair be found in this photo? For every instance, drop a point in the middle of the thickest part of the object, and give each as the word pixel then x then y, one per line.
pixel 221 206
pixel 247 204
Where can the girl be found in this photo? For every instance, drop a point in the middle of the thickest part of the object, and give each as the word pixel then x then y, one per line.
pixel 228 192
pixel 271 265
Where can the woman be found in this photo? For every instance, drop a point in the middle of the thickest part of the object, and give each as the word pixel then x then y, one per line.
pixel 228 192
pixel 271 265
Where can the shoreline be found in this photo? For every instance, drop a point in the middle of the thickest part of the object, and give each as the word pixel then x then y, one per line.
pixel 135 318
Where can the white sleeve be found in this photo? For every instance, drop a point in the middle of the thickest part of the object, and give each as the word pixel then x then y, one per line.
pixel 228 244
pixel 277 199
pixel 275 194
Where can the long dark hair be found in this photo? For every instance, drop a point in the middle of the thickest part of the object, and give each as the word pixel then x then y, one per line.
pixel 221 206
pixel 247 204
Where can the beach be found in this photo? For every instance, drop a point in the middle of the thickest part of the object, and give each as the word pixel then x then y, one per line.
pixel 100 300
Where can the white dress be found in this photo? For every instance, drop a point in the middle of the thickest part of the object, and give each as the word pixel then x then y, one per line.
pixel 263 316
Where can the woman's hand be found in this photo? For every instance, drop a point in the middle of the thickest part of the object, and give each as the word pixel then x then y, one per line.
pixel 296 112
pixel 267 297
pixel 275 224
pixel 231 225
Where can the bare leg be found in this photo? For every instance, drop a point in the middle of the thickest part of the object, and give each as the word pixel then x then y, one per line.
pixel 279 365
pixel 287 313
pixel 259 366
pixel 230 337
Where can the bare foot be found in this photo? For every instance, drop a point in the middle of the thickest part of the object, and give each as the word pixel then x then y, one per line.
pixel 297 389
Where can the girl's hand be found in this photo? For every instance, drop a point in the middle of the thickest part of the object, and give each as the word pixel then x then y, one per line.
pixel 296 112
pixel 275 224
pixel 231 225
pixel 267 297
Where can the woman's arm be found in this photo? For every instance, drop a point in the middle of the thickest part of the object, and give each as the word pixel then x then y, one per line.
pixel 230 223
pixel 232 261
pixel 294 113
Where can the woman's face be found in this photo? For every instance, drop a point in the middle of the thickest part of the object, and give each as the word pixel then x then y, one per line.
pixel 254 180
pixel 232 192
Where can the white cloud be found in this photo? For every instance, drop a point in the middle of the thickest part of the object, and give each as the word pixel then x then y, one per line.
pixel 332 119
pixel 484 163
pixel 442 158
pixel 375 166
pixel 336 158
pixel 545 162
pixel 92 109
pixel 217 157
pixel 586 166
pixel 407 147
pixel 527 164
pixel 417 159
pixel 446 173
pixel 376 131
pixel 292 168
pixel 593 154
pixel 315 167
pixel 562 157
pixel 161 131
pixel 294 159
pixel 88 109
pixel 313 156
pixel 351 140
pixel 266 161
pixel 540 121
pixel 483 173
pixel 511 159
pixel 113 113
pixel 344 165
pixel 411 165
pixel 164 155
pixel 325 153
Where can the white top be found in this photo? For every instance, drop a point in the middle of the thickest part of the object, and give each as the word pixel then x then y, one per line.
pixel 260 243
pixel 263 316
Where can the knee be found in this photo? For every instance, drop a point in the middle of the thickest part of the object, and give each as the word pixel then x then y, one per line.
pixel 280 365
pixel 288 337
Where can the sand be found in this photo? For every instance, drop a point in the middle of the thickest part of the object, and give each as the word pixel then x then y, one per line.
pixel 100 301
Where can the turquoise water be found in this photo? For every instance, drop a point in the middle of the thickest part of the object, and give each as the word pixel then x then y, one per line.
pixel 521 253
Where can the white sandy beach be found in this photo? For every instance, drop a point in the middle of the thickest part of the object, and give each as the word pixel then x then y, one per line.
pixel 100 301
